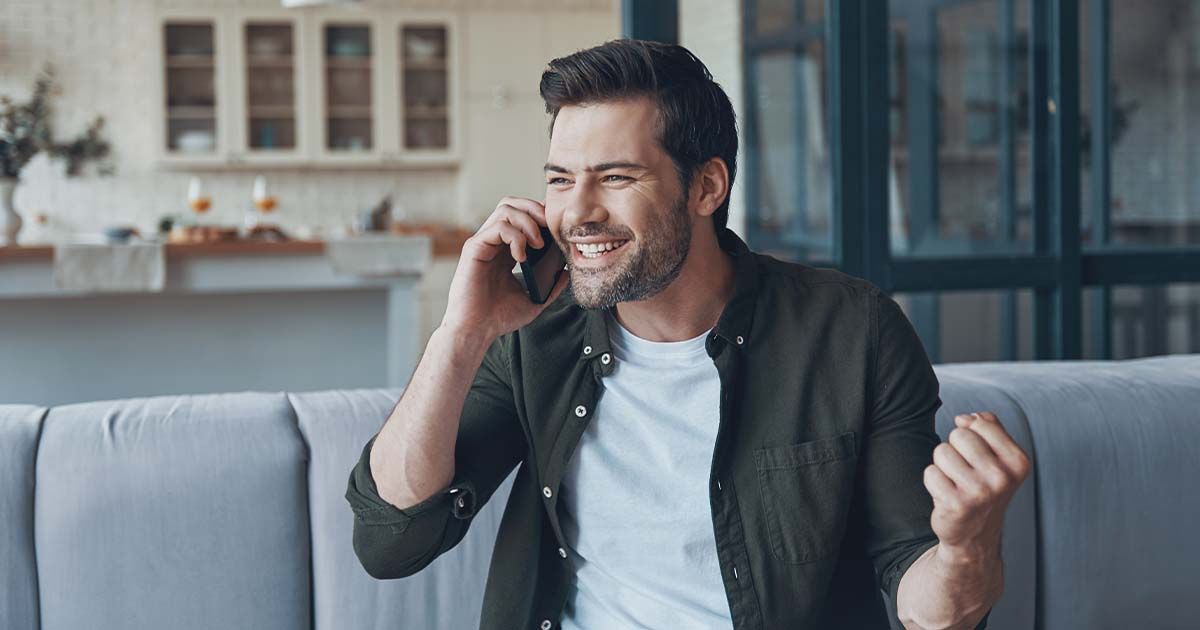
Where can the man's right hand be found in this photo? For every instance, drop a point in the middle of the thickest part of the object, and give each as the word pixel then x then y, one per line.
pixel 486 300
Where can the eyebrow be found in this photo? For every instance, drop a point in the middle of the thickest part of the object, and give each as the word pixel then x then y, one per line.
pixel 603 166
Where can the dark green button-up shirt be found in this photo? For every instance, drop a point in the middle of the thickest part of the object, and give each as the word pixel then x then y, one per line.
pixel 816 490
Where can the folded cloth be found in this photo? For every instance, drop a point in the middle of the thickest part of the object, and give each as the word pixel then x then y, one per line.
pixel 380 254
pixel 95 267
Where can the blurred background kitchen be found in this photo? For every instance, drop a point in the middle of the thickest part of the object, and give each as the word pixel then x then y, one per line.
pixel 270 194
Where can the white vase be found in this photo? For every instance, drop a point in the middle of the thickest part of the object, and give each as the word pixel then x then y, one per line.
pixel 10 221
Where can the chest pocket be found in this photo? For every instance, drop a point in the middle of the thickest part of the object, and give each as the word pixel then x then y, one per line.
pixel 806 493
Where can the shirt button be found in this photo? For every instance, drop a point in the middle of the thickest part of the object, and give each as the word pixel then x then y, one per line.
pixel 580 411
pixel 546 624
pixel 605 358
pixel 562 553
pixel 587 349
pixel 546 492
pixel 740 340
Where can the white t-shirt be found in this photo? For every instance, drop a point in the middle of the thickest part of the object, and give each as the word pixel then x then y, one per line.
pixel 635 497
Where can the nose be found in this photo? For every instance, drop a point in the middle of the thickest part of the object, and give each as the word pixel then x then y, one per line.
pixel 582 204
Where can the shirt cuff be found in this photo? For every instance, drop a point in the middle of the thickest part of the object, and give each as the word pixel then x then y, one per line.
pixel 371 509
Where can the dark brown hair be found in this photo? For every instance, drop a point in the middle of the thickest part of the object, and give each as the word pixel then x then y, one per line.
pixel 696 121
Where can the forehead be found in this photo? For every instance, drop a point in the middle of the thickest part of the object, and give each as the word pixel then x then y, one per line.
pixel 601 132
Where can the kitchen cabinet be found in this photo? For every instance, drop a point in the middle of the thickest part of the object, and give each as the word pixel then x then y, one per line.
pixel 193 88
pixel 270 67
pixel 313 88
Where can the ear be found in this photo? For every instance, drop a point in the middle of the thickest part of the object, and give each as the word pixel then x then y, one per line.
pixel 710 187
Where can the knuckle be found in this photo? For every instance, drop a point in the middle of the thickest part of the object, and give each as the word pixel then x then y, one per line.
pixel 997 480
pixel 1023 466
pixel 953 504
pixel 930 474
pixel 972 495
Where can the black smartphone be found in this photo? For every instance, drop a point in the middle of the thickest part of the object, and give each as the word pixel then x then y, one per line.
pixel 542 267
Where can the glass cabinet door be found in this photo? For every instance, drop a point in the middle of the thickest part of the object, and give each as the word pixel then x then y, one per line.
pixel 191 88
pixel 425 74
pixel 271 116
pixel 348 101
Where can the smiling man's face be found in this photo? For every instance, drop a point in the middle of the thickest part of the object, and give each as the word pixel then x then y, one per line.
pixel 614 202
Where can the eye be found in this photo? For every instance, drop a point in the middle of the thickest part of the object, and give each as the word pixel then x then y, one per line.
pixel 557 180
pixel 618 177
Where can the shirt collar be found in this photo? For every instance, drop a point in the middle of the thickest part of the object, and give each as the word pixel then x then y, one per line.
pixel 733 327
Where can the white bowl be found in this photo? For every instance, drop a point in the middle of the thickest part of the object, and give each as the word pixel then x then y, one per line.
pixel 195 141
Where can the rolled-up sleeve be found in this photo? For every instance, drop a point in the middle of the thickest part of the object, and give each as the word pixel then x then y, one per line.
pixel 393 542
pixel 898 446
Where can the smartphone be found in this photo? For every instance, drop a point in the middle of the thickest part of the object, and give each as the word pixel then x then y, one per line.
pixel 542 267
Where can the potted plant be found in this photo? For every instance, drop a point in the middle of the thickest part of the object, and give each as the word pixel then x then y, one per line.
pixel 25 131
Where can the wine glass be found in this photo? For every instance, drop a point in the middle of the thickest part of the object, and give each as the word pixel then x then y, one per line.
pixel 263 200
pixel 198 198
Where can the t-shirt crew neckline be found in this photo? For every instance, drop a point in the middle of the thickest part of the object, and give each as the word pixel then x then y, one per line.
pixel 627 345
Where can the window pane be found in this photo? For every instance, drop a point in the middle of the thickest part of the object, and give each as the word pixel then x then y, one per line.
pixel 793 182
pixel 1154 124
pixel 774 16
pixel 960 163
pixel 1146 321
pixel 963 326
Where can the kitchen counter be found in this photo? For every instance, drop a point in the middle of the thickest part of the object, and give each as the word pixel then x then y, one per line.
pixel 232 316
pixel 444 246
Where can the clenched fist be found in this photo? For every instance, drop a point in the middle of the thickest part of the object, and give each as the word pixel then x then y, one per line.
pixel 972 479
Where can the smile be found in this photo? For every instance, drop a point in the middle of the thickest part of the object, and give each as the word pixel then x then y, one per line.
pixel 598 250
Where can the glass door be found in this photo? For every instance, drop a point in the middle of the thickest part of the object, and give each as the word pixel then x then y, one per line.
pixel 425 84
pixel 270 87
pixel 348 99
pixel 191 89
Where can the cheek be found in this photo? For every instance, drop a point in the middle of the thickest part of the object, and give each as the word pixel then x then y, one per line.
pixel 554 215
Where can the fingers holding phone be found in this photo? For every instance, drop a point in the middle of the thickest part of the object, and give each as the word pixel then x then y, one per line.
pixel 515 222
pixel 485 297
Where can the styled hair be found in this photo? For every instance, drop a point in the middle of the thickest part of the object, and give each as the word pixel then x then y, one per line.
pixel 695 118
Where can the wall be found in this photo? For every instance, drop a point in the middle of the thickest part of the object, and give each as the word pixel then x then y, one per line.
pixel 103 50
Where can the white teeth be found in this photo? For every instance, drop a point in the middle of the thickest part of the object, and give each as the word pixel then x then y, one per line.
pixel 595 250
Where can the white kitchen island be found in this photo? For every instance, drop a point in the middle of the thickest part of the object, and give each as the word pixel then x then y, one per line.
pixel 231 317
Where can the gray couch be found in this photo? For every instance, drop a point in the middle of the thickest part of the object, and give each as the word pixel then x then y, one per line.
pixel 226 511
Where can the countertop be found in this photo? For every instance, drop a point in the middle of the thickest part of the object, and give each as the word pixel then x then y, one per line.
pixel 444 246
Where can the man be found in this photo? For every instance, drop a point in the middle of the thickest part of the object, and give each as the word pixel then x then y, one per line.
pixel 706 437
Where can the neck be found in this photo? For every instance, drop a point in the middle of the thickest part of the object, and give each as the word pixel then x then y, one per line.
pixel 693 303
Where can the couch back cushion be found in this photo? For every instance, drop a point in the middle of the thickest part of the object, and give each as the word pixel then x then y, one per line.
pixel 966 391
pixel 1117 448
pixel 19 427
pixel 182 512
pixel 446 594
